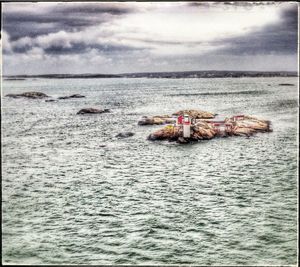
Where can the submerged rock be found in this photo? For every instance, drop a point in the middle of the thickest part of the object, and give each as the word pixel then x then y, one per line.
pixel 33 95
pixel 125 135
pixel 92 111
pixel 50 100
pixel 71 96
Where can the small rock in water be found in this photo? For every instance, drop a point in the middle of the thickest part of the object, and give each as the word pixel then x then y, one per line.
pixel 92 111
pixel 50 100
pixel 33 95
pixel 181 140
pixel 71 96
pixel 285 84
pixel 125 135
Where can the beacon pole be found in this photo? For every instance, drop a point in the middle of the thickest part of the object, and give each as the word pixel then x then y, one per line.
pixel 186 127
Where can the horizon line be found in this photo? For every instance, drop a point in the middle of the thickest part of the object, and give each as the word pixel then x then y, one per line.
pixel 149 72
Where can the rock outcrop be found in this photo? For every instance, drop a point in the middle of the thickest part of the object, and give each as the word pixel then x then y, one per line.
pixel 195 114
pixel 248 126
pixel 92 111
pixel 32 95
pixel 169 132
pixel 169 119
pixel 205 129
pixel 156 120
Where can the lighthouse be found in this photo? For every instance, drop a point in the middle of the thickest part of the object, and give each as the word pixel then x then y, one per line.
pixel 186 126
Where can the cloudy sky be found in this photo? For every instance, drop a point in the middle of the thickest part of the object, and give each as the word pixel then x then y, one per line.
pixel 126 37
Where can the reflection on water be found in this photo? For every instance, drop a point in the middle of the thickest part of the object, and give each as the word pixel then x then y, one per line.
pixel 74 193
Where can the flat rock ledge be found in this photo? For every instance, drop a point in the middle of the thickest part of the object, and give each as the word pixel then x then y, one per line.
pixel 33 95
pixel 92 111
pixel 206 130
pixel 167 119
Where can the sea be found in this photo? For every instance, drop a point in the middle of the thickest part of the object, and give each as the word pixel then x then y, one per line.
pixel 74 193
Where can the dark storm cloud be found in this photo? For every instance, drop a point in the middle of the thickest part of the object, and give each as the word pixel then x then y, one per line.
pixel 76 48
pixel 81 48
pixel 60 17
pixel 280 37
pixel 231 4
pixel 85 9
pixel 290 16
pixel 26 28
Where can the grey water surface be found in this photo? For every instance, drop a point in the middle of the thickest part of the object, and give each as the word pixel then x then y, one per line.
pixel 73 193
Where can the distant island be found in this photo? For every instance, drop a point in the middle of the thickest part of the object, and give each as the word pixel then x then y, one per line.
pixel 172 75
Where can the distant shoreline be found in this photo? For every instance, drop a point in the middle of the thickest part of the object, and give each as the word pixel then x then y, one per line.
pixel 172 75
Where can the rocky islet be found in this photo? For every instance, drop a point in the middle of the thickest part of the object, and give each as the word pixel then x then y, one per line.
pixel 202 127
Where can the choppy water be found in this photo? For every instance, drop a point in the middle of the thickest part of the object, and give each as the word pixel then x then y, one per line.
pixel 73 193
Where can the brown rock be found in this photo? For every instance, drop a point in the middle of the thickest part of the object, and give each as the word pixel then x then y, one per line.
pixel 196 114
pixel 169 132
pixel 156 120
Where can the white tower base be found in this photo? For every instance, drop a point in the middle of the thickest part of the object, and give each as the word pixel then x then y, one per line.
pixel 186 130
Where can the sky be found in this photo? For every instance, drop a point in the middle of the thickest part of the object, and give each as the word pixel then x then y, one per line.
pixel 125 37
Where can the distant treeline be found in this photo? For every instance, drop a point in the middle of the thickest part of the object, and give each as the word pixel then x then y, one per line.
pixel 174 75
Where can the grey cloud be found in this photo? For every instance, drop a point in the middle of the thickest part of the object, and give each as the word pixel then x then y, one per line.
pixel 83 9
pixel 81 48
pixel 231 4
pixel 275 38
pixel 60 17
pixel 290 16
pixel 261 48
pixel 199 4
pixel 73 47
